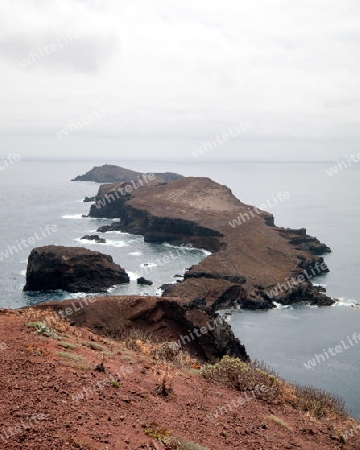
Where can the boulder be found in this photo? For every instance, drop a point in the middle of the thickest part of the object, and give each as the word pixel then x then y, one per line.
pixel 94 237
pixel 72 269
pixel 142 280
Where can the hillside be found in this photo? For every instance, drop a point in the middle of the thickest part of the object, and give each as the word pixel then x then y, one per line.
pixel 53 398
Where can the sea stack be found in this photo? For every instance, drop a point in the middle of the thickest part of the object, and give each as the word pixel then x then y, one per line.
pixel 72 269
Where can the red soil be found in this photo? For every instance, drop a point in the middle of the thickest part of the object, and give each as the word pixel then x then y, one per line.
pixel 36 380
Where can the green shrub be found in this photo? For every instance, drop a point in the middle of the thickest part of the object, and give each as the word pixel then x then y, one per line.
pixel 319 402
pixel 42 328
pixel 243 376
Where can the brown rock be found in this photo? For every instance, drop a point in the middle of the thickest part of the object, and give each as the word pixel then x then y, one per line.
pixel 72 269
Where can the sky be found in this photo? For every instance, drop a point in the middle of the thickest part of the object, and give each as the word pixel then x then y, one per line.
pixel 156 79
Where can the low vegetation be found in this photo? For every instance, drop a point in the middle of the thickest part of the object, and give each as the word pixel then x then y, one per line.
pixel 169 442
pixel 70 356
pixel 319 402
pixel 67 345
pixel 94 346
pixel 247 376
pixel 149 345
pixel 279 421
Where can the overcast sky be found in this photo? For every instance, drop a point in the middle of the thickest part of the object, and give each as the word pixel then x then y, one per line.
pixel 158 79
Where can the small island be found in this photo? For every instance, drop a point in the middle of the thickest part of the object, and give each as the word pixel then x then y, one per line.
pixel 253 262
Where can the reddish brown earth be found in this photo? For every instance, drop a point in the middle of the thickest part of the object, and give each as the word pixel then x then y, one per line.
pixel 36 380
pixel 163 317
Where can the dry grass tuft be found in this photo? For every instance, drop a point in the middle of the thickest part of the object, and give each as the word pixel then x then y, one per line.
pixel 279 421
pixel 48 317
pixel 164 352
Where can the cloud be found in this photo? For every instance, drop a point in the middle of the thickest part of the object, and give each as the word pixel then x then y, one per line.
pixel 182 69
pixel 71 51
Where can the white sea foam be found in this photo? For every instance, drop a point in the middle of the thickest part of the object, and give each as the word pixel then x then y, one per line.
pixel 112 243
pixel 342 301
pixel 147 265
pixel 78 295
pixel 133 275
pixel 135 253
pixel 23 272
pixel 187 248
pixel 72 216
pixel 280 306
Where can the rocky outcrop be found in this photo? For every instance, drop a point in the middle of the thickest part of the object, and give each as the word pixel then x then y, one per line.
pixel 143 281
pixel 250 254
pixel 203 333
pixel 109 173
pixel 89 199
pixel 303 292
pixel 303 241
pixel 72 269
pixel 94 237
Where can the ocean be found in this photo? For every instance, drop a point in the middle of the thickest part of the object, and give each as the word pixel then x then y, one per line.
pixel 37 197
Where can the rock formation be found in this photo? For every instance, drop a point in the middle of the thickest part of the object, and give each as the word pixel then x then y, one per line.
pixel 72 269
pixel 94 237
pixel 89 199
pixel 253 264
pixel 166 318
pixel 109 173
pixel 143 281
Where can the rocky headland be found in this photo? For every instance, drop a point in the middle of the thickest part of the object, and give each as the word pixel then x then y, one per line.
pixel 162 317
pixel 253 262
pixel 72 269
pixel 109 173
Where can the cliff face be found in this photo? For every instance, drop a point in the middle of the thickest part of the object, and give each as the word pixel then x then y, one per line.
pixel 254 262
pixel 72 269
pixel 166 318
pixel 109 173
